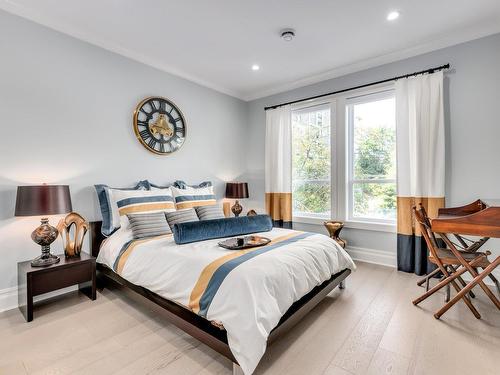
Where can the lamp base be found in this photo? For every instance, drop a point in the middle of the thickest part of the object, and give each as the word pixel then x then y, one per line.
pixel 237 209
pixel 45 260
pixel 44 235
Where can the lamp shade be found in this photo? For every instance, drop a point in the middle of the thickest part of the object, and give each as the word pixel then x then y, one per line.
pixel 43 200
pixel 236 190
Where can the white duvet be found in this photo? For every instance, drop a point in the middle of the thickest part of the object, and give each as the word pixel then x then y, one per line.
pixel 250 299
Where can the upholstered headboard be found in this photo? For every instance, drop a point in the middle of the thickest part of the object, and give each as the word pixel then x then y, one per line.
pixel 96 237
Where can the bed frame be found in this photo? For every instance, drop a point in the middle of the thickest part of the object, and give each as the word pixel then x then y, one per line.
pixel 201 328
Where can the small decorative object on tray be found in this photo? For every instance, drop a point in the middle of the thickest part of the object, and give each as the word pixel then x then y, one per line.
pixel 246 242
pixel 251 213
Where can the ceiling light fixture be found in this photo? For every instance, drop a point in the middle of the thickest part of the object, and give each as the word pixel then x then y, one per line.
pixel 287 34
pixel 255 67
pixel 394 15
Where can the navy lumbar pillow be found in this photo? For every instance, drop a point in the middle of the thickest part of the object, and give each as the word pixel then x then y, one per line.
pixel 209 229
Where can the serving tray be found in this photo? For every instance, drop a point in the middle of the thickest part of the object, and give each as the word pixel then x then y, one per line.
pixel 245 242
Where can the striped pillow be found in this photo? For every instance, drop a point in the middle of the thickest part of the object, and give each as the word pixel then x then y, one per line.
pixel 110 222
pixel 193 197
pixel 148 225
pixel 137 202
pixel 210 212
pixel 183 216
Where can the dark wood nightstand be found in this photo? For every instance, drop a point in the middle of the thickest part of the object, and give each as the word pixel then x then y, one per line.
pixel 33 281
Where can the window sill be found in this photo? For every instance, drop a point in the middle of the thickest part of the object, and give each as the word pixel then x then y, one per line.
pixel 368 225
pixel 364 225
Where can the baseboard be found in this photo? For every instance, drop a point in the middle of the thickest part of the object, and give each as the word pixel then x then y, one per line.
pixel 8 296
pixel 380 257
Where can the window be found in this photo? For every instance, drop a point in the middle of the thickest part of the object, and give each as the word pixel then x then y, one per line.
pixel 371 190
pixel 311 161
pixel 344 159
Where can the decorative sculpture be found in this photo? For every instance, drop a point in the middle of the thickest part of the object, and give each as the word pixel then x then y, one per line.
pixel 334 228
pixel 73 242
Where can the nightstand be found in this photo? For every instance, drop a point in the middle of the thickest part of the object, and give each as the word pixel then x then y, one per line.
pixel 33 281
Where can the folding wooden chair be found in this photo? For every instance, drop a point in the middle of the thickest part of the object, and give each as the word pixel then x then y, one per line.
pixel 431 238
pixel 472 268
pixel 447 262
pixel 477 280
pixel 466 244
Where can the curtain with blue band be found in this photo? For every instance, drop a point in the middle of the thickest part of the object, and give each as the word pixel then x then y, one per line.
pixel 420 163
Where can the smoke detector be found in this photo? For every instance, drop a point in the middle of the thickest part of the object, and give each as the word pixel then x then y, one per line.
pixel 287 34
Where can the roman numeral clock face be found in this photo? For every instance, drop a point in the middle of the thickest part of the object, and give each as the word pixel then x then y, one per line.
pixel 159 125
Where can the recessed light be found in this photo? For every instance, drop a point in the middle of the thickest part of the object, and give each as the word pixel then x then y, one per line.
pixel 255 67
pixel 394 15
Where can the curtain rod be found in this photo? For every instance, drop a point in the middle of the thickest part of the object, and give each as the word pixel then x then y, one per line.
pixel 431 70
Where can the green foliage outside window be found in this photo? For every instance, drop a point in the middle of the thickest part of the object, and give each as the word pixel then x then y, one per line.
pixel 374 159
pixel 311 163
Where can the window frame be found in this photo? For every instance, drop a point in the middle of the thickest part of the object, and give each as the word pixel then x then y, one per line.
pixel 339 160
pixel 331 103
pixel 350 180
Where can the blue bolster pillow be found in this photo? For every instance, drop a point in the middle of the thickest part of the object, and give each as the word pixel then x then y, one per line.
pixel 195 231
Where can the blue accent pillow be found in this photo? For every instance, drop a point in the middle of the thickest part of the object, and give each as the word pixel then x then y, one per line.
pixel 179 184
pixel 157 186
pixel 108 228
pixel 209 229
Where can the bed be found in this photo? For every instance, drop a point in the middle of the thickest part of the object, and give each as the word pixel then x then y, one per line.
pixel 240 326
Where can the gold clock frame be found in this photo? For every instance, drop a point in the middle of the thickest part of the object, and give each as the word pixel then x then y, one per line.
pixel 136 127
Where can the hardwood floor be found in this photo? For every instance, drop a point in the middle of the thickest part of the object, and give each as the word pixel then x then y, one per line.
pixel 370 327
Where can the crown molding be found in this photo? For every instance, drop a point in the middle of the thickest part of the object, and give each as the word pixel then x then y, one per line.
pixel 88 37
pixel 445 40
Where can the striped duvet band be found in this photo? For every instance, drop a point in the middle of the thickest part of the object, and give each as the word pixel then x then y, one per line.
pixel 128 248
pixel 213 275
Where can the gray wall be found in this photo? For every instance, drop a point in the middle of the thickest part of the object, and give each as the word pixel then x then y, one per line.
pixel 472 102
pixel 66 117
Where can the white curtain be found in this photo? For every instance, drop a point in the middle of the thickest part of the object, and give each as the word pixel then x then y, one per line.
pixel 420 136
pixel 420 161
pixel 278 165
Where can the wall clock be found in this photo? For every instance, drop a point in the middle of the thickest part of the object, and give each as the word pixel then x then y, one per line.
pixel 159 125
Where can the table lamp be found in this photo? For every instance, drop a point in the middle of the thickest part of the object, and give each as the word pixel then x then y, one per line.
pixel 236 190
pixel 42 200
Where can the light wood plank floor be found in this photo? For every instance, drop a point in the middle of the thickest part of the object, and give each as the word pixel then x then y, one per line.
pixel 371 327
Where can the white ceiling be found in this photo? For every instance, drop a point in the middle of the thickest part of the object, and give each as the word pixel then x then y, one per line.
pixel 215 42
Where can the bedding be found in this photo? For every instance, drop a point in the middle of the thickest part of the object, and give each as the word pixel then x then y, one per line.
pixel 247 291
pixel 190 197
pixel 182 185
pixel 140 201
pixel 110 221
pixel 210 212
pixel 182 216
pixel 148 225
pixel 220 228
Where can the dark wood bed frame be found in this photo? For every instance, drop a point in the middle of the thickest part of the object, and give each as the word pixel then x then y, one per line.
pixel 201 328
